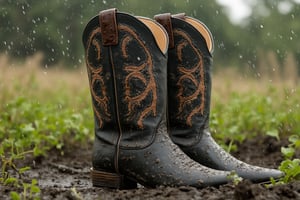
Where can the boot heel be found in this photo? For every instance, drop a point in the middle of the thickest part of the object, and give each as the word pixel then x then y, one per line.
pixel 111 180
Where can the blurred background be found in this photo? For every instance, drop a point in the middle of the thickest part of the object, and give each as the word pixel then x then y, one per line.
pixel 257 37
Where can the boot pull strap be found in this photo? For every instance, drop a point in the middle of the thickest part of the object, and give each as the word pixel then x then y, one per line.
pixel 109 27
pixel 165 21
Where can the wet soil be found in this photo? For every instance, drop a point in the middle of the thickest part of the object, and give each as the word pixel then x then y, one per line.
pixel 67 177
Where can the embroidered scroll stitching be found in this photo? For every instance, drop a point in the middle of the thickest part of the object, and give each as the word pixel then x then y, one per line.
pixel 195 76
pixel 100 98
pixel 144 73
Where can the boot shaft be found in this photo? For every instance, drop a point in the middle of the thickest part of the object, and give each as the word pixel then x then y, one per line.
pixel 189 80
pixel 127 76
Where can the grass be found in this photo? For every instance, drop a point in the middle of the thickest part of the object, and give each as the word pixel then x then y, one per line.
pixel 42 107
pixel 253 106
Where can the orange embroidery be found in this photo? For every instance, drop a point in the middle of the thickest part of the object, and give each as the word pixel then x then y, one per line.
pixel 190 74
pixel 96 77
pixel 142 72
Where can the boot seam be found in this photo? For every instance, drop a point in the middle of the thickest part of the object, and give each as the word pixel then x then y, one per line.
pixel 117 146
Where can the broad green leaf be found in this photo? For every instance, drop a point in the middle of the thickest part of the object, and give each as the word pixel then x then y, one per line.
pixel 288 151
pixel 24 169
pixel 15 196
pixel 273 133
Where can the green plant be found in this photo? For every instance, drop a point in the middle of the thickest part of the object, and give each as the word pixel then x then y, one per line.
pixel 235 178
pixel 289 151
pixel 8 162
pixel 30 191
pixel 291 168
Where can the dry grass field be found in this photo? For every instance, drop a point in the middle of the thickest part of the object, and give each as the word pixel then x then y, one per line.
pixel 31 79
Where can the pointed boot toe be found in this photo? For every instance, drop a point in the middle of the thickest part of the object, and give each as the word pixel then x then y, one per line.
pixel 210 154
pixel 126 59
pixel 189 93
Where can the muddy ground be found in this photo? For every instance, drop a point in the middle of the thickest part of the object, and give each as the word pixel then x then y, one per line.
pixel 67 177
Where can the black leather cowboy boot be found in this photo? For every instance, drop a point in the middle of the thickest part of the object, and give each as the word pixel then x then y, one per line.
pixel 189 90
pixel 127 67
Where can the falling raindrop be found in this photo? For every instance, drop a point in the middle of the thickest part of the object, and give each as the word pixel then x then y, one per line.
pixel 293 16
pixel 293 91
pixel 221 45
pixel 59 106
pixel 23 10
pixel 258 74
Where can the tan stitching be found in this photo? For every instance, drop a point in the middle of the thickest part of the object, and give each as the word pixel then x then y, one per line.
pixel 96 76
pixel 142 72
pixel 189 74
pixel 180 46
pixel 123 46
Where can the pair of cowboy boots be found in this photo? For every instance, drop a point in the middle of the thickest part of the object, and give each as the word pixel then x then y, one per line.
pixel 150 84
